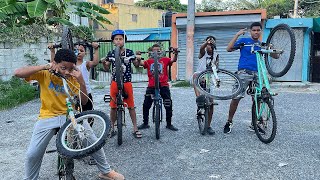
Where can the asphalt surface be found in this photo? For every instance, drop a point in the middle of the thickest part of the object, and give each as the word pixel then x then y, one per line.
pixel 185 154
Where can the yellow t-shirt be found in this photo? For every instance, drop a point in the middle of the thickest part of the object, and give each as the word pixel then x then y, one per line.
pixel 52 94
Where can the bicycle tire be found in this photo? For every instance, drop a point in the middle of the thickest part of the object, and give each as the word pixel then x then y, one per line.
pixel 65 169
pixel 279 67
pixel 230 85
pixel 119 125
pixel 118 64
pixel 260 125
pixel 66 38
pixel 157 119
pixel 203 121
pixel 67 150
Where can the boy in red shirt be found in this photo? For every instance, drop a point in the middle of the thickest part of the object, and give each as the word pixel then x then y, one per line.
pixel 164 62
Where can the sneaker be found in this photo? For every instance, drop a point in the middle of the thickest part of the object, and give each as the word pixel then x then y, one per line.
pixel 143 126
pixel 171 127
pixel 227 127
pixel 210 131
pixel 112 175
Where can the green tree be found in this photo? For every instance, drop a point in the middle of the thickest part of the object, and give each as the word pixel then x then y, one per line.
pixel 173 5
pixel 273 7
pixel 17 13
pixel 211 6
pixel 310 8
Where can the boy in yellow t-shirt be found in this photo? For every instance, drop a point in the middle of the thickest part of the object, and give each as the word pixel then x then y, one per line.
pixel 53 110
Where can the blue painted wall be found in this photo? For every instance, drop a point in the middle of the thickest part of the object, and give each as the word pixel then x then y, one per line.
pixel 307 24
pixel 155 33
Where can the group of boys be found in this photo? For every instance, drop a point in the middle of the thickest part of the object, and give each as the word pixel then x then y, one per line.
pixel 72 66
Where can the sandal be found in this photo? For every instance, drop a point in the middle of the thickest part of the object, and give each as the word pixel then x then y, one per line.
pixel 137 134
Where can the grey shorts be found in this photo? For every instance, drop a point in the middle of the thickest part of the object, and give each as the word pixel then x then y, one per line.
pixel 246 78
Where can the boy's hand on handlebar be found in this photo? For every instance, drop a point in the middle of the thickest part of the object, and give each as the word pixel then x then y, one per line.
pixel 76 73
pixel 50 46
pixel 175 50
pixel 95 45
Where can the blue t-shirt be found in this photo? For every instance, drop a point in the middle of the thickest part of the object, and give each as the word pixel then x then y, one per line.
pixel 247 59
pixel 127 73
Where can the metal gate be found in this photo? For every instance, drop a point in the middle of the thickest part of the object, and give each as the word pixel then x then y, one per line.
pixel 138 74
pixel 223 35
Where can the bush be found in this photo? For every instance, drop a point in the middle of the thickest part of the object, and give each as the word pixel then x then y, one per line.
pixel 15 92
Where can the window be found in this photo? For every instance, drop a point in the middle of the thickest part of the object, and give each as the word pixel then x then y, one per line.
pixel 107 1
pixel 134 18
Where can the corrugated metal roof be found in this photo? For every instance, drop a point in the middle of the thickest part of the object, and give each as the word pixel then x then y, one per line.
pixel 137 37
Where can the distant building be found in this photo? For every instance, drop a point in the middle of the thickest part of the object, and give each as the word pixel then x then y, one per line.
pixel 125 15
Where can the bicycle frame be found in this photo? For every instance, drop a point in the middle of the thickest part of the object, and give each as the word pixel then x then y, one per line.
pixel 262 79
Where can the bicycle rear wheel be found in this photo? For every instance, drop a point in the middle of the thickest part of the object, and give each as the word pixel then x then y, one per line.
pixel 65 168
pixel 66 41
pixel 226 86
pixel 83 140
pixel 120 116
pixel 266 126
pixel 156 119
pixel 203 120
pixel 282 38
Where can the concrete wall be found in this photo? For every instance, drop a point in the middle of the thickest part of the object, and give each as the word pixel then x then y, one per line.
pixel 121 18
pixel 13 57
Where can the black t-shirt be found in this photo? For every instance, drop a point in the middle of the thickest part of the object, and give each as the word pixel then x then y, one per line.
pixel 127 62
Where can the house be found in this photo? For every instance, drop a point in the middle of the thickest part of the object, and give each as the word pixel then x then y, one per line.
pixel 222 25
pixel 306 64
pixel 125 15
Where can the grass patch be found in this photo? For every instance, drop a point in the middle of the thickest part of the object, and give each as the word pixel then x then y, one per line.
pixel 181 84
pixel 99 87
pixel 15 92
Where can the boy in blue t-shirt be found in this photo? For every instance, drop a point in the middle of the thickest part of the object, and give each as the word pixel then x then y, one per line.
pixel 247 67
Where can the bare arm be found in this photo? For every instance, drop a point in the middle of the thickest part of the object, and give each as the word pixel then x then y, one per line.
pixel 234 39
pixel 52 52
pixel 175 56
pixel 95 61
pixel 202 49
pixel 106 65
pixel 27 71
pixel 138 61
pixel 77 74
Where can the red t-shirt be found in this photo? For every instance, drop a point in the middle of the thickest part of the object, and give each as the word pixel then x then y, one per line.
pixel 163 71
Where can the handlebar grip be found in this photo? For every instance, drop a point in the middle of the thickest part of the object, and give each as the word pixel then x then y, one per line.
pixel 57 46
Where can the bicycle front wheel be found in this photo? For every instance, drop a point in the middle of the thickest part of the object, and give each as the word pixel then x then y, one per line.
pixel 83 140
pixel 118 64
pixel 66 39
pixel 265 126
pixel 120 117
pixel 281 38
pixel 222 86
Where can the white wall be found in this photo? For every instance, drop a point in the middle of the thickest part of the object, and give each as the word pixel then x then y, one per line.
pixel 13 57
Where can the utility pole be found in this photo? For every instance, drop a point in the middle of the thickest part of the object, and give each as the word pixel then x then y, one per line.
pixel 295 10
pixel 190 38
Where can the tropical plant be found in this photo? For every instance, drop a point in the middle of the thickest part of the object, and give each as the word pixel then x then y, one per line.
pixel 173 5
pixel 17 12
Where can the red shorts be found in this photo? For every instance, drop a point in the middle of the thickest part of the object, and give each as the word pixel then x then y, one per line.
pixel 129 102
